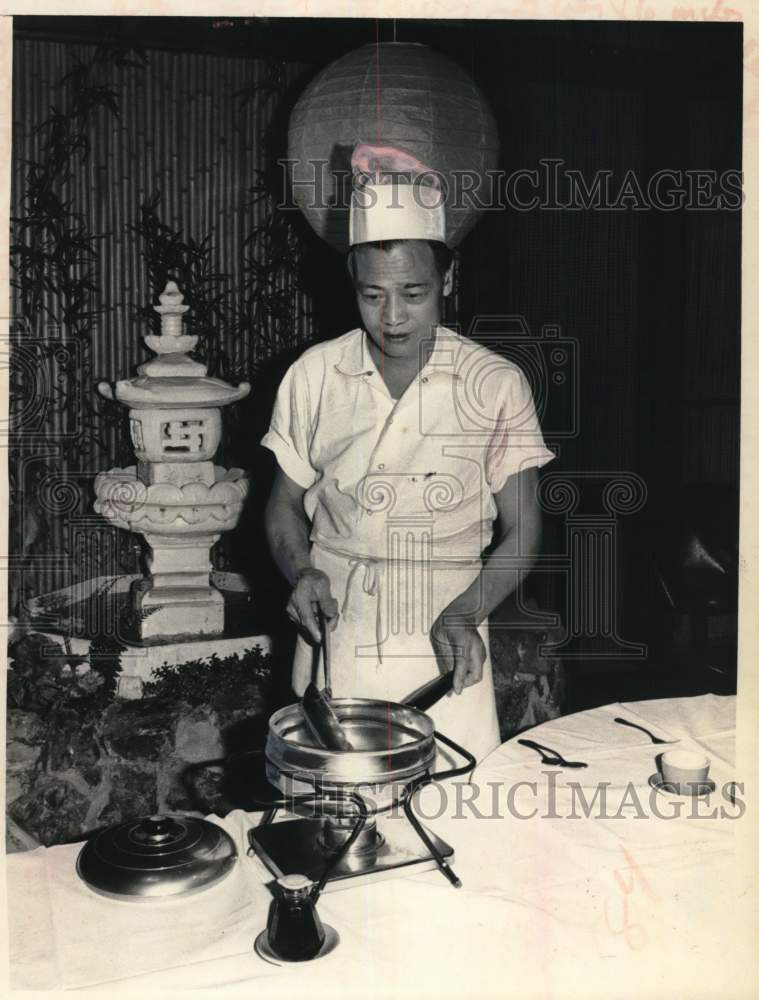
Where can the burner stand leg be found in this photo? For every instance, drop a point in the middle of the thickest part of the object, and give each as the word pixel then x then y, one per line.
pixel 442 864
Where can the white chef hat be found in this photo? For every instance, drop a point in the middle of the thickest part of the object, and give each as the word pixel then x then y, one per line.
pixel 395 197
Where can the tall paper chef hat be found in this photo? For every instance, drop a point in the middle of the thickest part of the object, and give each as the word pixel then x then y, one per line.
pixel 395 197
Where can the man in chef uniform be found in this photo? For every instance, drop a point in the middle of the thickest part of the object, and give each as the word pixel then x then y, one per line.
pixel 400 447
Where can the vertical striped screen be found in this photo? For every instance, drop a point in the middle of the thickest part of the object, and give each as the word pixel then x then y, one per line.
pixel 185 130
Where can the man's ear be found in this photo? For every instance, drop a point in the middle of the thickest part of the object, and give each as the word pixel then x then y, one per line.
pixel 448 279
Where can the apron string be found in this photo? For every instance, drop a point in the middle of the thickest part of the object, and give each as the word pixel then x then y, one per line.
pixel 373 572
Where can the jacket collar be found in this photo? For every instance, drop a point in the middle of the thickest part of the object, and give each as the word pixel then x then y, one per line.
pixel 356 359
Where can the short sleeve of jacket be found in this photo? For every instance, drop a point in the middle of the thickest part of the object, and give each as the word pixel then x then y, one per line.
pixel 517 441
pixel 290 428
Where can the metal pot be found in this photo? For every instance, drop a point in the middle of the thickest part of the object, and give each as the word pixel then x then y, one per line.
pixel 393 744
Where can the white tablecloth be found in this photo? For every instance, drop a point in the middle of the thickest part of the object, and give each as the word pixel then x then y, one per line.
pixel 632 899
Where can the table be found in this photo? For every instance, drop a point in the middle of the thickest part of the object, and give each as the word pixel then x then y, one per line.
pixel 564 894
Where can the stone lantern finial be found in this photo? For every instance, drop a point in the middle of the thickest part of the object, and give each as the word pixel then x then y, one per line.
pixel 172 346
pixel 171 310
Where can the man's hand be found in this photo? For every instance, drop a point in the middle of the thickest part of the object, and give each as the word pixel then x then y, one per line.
pixel 458 647
pixel 311 594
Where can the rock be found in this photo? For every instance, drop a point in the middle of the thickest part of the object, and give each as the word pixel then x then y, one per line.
pixel 17 839
pixel 73 747
pixel 130 687
pixel 25 733
pixel 20 756
pixel 74 772
pixel 197 737
pixel 16 784
pixel 26 727
pixel 198 789
pixel 178 797
pixel 138 730
pixel 93 776
pixel 52 811
pixel 85 749
pixel 133 795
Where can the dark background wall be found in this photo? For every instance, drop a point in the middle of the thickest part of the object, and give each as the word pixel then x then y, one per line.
pixel 651 298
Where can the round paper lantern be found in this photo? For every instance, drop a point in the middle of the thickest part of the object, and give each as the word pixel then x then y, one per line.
pixel 393 94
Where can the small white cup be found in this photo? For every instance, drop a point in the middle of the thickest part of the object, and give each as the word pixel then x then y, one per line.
pixel 685 769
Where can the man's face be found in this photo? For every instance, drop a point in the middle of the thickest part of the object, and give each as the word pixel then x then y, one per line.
pixel 400 296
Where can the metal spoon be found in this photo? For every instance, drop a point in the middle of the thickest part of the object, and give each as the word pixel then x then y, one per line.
pixel 318 713
pixel 634 725
pixel 555 758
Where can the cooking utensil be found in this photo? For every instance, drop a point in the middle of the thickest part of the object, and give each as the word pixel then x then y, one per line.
pixel 326 633
pixel 634 725
pixel 430 693
pixel 549 756
pixel 321 720
pixel 156 857
pixel 394 750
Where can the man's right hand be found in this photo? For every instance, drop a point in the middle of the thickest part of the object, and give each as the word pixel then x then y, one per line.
pixel 312 593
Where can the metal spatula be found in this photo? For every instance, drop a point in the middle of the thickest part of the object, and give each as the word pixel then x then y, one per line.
pixel 321 720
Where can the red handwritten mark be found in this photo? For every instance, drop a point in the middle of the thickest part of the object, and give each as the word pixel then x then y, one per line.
pixel 637 11
pixel 635 870
pixel 629 880
pixel 714 13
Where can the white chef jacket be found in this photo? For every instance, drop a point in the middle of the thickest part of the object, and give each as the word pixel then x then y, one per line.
pixel 399 494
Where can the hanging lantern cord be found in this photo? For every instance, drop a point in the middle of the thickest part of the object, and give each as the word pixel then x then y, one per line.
pixel 395 33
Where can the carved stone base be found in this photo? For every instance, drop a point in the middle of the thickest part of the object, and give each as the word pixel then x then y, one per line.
pixel 177 600
pixel 178 612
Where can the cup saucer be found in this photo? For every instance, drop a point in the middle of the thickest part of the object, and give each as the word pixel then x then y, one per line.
pixel 666 788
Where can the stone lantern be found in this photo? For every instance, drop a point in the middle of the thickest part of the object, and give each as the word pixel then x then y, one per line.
pixel 175 496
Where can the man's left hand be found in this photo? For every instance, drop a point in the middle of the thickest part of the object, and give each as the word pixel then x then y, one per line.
pixel 458 647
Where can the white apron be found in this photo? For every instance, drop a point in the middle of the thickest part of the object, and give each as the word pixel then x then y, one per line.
pixel 400 498
pixel 381 646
